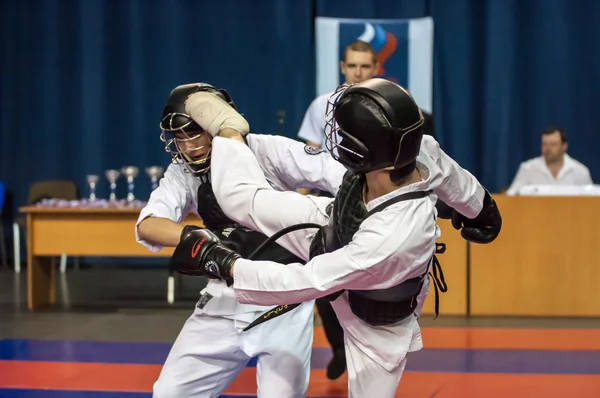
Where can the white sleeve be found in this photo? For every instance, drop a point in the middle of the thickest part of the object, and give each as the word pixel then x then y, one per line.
pixel 289 164
pixel 171 200
pixel 380 255
pixel 313 123
pixel 519 181
pixel 245 196
pixel 586 176
pixel 457 187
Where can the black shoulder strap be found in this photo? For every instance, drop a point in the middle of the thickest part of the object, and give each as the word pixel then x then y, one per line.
pixel 399 198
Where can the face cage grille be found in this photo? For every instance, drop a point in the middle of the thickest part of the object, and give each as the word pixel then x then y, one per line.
pixel 332 129
pixel 180 156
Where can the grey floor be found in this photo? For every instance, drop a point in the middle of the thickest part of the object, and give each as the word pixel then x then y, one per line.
pixel 125 304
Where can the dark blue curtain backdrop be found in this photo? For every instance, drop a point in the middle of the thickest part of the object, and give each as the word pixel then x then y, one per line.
pixel 83 82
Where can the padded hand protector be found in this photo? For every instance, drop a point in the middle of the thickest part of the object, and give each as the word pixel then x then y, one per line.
pixel 213 114
pixel 200 253
pixel 484 228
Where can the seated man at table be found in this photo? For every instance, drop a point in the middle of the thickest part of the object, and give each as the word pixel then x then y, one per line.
pixel 554 167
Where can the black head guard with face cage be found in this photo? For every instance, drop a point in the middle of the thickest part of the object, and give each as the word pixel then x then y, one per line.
pixel 373 125
pixel 175 120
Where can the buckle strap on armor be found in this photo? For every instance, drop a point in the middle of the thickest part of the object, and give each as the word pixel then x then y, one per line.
pixel 439 282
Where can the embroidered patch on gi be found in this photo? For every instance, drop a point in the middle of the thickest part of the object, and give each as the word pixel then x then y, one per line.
pixel 313 150
pixel 205 298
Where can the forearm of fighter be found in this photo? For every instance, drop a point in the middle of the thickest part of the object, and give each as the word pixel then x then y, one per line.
pixel 160 231
pixel 270 283
pixel 236 177
pixel 458 189
pixel 232 134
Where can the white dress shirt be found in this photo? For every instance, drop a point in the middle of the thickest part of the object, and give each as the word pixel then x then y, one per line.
pixel 536 172
pixel 315 119
pixel 313 123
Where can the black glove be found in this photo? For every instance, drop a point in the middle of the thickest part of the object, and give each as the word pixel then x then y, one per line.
pixel 200 253
pixel 240 239
pixel 485 227
pixel 444 211
pixel 186 229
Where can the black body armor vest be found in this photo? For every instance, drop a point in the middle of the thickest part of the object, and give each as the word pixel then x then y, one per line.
pixel 376 307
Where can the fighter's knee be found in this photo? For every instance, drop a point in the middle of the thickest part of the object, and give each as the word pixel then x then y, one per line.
pixel 282 393
pixel 165 390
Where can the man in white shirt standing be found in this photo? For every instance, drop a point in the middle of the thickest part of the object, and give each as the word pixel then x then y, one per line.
pixel 554 167
pixel 359 64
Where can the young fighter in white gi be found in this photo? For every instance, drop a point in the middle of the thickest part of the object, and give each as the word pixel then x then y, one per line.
pixel 378 245
pixel 211 349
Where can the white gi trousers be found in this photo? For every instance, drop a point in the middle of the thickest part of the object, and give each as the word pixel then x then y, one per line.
pixel 367 376
pixel 211 351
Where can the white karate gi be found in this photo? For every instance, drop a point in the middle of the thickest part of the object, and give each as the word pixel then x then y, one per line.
pixel 211 348
pixel 390 247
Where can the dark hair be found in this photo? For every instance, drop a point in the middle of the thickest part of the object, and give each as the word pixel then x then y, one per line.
pixel 552 130
pixel 360 46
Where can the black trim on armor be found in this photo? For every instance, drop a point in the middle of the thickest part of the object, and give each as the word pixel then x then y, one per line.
pixel 279 234
pixel 399 198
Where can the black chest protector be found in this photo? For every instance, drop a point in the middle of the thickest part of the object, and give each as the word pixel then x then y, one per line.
pixel 234 235
pixel 376 307
pixel 209 210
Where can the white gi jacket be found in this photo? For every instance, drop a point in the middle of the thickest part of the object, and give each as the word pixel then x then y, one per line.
pixel 390 247
pixel 284 169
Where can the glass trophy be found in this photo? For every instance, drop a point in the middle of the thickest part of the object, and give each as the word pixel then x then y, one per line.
pixel 92 180
pixel 130 172
pixel 155 173
pixel 112 176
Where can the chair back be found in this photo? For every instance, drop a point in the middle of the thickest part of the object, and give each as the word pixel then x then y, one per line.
pixel 52 189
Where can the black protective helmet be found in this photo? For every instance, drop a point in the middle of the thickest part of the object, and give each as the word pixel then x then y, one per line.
pixel 373 125
pixel 175 120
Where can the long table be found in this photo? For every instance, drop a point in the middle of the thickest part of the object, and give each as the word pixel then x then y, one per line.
pixel 102 232
pixel 544 263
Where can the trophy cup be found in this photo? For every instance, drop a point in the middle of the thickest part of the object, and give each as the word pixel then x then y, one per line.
pixel 92 179
pixel 130 172
pixel 155 173
pixel 112 176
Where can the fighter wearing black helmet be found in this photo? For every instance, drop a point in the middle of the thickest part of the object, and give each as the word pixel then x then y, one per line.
pixel 379 236
pixel 183 137
pixel 211 349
